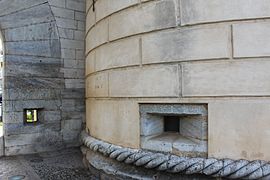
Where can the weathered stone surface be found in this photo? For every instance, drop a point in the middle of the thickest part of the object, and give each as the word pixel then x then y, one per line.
pixel 46 48
pixel 12 106
pixel 31 83
pixel 36 14
pixel 90 63
pixel 43 31
pixel 239 129
pixel 203 11
pixel 18 5
pixel 186 44
pixel 226 78
pixel 251 39
pixel 49 137
pixel 31 93
pixel 97 35
pixel 194 127
pixel 61 12
pixel 118 54
pixel 153 16
pixel 105 7
pixel 72 124
pixel 140 83
pixel 97 85
pixel 88 4
pixel 76 5
pixel 107 117
pixel 29 70
pixel 21 128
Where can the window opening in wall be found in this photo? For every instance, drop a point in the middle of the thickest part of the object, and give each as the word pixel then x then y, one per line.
pixel 180 129
pixel 30 116
pixel 171 124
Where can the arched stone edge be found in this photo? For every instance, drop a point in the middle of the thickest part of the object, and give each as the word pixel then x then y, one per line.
pixel 218 168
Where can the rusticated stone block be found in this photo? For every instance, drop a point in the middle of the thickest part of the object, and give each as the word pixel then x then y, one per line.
pixel 186 44
pixel 139 82
pixel 237 78
pixel 121 53
pixel 153 16
pixel 251 39
pixel 205 11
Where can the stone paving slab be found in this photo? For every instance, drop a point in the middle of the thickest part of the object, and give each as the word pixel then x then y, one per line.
pixel 58 165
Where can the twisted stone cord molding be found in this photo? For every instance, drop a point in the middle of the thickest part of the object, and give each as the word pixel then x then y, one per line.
pixel 225 168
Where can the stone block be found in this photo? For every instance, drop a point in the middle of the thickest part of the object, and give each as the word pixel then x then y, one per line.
pixel 45 48
pixel 145 18
pixel 73 93
pixel 157 143
pixel 251 39
pixel 43 31
pixel 90 63
pixel 31 93
pixel 74 83
pixel 81 25
pixel 68 53
pixel 237 78
pixel 18 5
pixel 194 127
pixel 90 19
pixel 58 3
pixel 88 4
pixel 37 139
pixel 79 35
pixel 48 105
pixel 72 124
pixel 63 12
pixel 116 122
pixel 162 81
pixel 34 69
pixel 97 35
pixel 72 44
pixel 186 44
pixel 66 23
pixel 65 33
pixel 239 129
pixel 194 11
pixel 75 5
pixel 77 105
pixel 105 7
pixel 34 15
pixel 21 128
pixel 13 82
pixel 121 53
pixel 79 16
pixel 97 85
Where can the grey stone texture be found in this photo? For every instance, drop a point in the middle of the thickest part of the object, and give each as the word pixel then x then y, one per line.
pixel 43 68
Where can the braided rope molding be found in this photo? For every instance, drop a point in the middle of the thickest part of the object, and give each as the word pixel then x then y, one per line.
pixel 223 168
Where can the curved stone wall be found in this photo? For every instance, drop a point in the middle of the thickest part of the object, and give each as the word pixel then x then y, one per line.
pixel 186 51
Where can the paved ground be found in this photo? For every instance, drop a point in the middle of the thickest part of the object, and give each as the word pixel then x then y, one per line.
pixel 60 165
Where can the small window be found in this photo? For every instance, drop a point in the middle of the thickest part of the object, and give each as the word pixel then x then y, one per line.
pixel 171 124
pixel 180 129
pixel 30 116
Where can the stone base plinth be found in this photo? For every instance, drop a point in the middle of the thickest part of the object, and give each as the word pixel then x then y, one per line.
pixel 106 168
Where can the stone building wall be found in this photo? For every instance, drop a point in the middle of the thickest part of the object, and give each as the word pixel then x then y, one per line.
pixel 43 68
pixel 181 51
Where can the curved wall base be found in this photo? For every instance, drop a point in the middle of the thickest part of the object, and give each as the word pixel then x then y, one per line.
pixel 136 164
pixel 106 168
